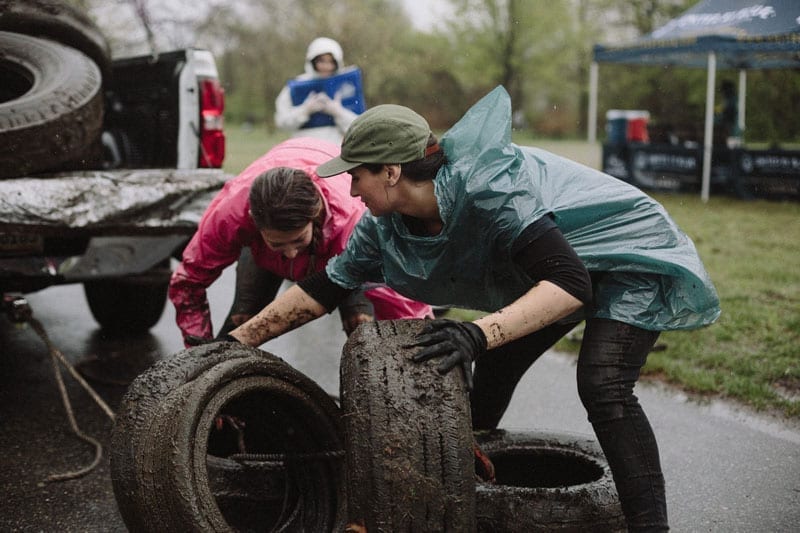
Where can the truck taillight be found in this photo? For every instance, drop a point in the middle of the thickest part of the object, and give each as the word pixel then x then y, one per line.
pixel 212 138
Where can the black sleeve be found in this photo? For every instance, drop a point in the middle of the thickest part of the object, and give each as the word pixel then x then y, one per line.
pixel 320 287
pixel 356 303
pixel 545 255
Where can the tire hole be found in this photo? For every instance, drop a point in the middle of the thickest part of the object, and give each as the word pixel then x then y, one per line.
pixel 263 495
pixel 16 81
pixel 544 468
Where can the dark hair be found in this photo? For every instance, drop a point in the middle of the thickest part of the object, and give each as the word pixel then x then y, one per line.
pixel 285 199
pixel 421 169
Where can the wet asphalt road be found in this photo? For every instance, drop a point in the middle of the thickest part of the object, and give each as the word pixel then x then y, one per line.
pixel 727 470
pixel 35 436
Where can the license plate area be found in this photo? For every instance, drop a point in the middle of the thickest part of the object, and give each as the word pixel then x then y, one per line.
pixel 16 244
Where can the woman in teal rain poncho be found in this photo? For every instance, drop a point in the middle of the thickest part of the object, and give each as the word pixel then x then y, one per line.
pixel 538 242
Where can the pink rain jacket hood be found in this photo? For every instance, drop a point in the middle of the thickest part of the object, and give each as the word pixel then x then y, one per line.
pixel 226 227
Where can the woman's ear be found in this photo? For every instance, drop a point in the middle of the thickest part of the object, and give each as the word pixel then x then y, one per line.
pixel 393 173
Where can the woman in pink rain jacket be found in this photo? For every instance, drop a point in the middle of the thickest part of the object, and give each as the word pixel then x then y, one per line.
pixel 280 221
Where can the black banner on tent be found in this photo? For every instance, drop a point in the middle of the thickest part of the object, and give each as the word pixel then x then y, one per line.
pixel 746 173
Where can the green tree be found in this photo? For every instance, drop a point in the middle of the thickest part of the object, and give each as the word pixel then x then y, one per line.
pixel 647 15
pixel 539 51
pixel 530 48
pixel 773 105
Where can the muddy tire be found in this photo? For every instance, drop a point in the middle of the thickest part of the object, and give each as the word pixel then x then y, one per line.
pixel 137 414
pixel 547 482
pixel 150 466
pixel 51 105
pixel 410 462
pixel 283 417
pixel 173 471
pixel 127 307
pixel 58 21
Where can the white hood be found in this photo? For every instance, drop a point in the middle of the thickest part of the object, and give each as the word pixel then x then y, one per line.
pixel 319 46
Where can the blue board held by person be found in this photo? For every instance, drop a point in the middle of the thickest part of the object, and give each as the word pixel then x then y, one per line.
pixel 324 100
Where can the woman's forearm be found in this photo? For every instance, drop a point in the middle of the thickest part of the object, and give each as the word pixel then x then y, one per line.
pixel 290 310
pixel 539 307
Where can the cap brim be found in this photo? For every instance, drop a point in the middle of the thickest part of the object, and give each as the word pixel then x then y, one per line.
pixel 335 166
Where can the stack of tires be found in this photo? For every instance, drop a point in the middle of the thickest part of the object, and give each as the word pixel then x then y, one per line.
pixel 51 72
pixel 411 462
pixel 406 435
pixel 224 437
pixel 54 65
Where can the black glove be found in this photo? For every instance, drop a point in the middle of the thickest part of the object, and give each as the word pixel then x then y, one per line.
pixel 194 340
pixel 459 343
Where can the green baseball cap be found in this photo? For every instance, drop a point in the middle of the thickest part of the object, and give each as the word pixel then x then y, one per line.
pixel 386 133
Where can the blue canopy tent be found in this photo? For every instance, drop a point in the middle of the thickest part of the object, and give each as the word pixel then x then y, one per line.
pixel 730 34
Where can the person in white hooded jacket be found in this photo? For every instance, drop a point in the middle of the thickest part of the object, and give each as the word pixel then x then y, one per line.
pixel 323 58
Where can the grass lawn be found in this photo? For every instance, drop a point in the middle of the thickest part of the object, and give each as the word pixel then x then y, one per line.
pixel 752 252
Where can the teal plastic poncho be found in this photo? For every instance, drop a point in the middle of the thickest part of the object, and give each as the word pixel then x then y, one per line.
pixel 648 273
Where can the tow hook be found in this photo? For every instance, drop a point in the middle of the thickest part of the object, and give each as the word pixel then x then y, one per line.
pixel 16 307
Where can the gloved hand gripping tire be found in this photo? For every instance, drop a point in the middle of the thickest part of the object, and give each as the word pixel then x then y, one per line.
pixel 458 343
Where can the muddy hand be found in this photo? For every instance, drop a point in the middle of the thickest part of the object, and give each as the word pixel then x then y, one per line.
pixel 457 343
pixel 194 340
pixel 352 321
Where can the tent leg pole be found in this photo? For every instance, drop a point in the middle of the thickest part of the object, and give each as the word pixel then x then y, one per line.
pixel 592 119
pixel 709 132
pixel 742 99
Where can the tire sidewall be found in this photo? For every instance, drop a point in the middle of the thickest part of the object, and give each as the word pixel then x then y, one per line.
pixel 138 411
pixel 188 474
pixel 60 22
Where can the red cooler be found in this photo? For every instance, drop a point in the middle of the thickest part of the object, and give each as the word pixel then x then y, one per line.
pixel 637 126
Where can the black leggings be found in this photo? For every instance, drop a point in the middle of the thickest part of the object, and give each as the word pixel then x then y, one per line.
pixel 612 354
